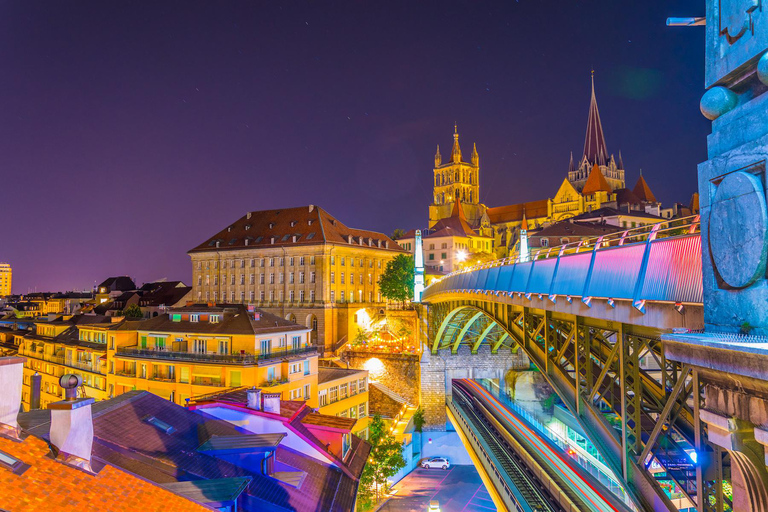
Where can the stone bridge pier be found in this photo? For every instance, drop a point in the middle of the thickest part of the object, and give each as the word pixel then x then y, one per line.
pixel 438 371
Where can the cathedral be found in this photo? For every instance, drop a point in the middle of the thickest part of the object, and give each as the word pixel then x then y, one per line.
pixel 594 182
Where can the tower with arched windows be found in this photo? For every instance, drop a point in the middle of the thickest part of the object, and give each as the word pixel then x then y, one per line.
pixel 456 180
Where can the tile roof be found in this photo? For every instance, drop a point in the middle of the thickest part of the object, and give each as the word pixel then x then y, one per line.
pixel 607 211
pixel 455 225
pixel 326 420
pixel 626 196
pixel 643 191
pixel 235 319
pixel 596 182
pixel 514 212
pixel 123 437
pixel 327 374
pixel 51 485
pixel 119 283
pixel 578 229
pixel 310 225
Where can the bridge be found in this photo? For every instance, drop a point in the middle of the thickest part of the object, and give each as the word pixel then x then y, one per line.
pixel 591 317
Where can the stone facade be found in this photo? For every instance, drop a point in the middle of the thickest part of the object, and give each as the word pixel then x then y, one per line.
pixel 380 402
pixel 398 372
pixel 438 372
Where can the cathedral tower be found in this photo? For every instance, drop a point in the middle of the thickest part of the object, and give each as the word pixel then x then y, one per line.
pixel 455 180
pixel 596 153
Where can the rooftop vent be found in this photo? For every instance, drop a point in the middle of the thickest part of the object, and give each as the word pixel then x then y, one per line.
pixel 271 225
pixel 248 215
pixel 293 223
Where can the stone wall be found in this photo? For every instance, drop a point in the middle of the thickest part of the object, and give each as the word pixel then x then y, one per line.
pixel 398 372
pixel 382 403
pixel 438 371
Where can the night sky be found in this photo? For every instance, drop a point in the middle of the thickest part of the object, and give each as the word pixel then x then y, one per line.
pixel 132 131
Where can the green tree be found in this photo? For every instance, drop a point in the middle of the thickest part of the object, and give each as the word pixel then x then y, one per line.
pixel 397 234
pixel 133 311
pixel 418 419
pixel 385 460
pixel 396 283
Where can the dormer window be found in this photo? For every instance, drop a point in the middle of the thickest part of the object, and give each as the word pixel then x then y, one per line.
pixel 309 222
pixel 214 319
pixel 194 317
pixel 176 318
pixel 271 225
pixel 165 427
pixel 293 223
pixel 247 227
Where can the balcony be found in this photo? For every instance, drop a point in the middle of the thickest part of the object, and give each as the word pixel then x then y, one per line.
pixel 208 381
pixel 89 366
pixel 234 359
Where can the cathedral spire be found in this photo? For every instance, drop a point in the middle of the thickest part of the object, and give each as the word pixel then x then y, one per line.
pixel 456 152
pixel 594 142
pixel 475 156
pixel 571 166
pixel 438 157
pixel 621 162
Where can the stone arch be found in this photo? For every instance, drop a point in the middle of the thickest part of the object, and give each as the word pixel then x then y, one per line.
pixel 311 322
pixel 290 317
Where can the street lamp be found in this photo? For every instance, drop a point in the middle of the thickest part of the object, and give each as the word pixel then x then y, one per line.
pixel 461 255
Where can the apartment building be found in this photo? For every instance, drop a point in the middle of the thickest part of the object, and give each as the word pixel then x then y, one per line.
pixel 344 393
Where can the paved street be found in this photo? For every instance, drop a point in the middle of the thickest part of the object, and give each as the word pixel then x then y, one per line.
pixel 459 489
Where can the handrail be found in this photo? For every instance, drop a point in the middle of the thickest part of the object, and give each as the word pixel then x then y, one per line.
pixel 673 227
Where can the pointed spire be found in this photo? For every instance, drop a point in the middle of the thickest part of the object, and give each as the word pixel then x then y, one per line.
pixel 524 225
pixel 571 166
pixel 475 156
pixel 596 182
pixel 643 191
pixel 438 157
pixel 594 142
pixel 456 151
pixel 621 162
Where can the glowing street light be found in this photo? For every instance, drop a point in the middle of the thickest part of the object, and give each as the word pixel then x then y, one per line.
pixel 461 255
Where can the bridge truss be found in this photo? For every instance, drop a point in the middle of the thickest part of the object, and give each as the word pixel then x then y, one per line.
pixel 644 421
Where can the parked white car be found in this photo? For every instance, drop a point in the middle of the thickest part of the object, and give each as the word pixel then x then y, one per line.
pixel 436 462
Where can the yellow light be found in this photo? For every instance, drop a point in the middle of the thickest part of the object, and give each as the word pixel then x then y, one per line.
pixel 461 255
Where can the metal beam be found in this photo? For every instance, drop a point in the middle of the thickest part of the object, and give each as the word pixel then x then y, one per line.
pixel 604 371
pixel 482 336
pixel 464 330
pixel 443 325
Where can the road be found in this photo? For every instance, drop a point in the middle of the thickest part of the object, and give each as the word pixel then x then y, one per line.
pixel 458 489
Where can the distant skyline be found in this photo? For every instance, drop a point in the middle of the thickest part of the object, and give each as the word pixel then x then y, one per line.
pixel 130 133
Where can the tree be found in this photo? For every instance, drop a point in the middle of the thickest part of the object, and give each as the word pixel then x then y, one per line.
pixel 397 234
pixel 418 419
pixel 133 311
pixel 396 283
pixel 385 460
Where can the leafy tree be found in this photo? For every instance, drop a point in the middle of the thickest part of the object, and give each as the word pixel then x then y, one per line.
pixel 397 234
pixel 418 419
pixel 385 460
pixel 396 283
pixel 133 311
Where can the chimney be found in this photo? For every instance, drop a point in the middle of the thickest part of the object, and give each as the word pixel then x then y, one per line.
pixel 311 207
pixel 271 402
pixel 34 392
pixel 72 425
pixel 254 399
pixel 11 377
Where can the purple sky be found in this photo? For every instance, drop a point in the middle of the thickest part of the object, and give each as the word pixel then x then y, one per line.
pixel 132 131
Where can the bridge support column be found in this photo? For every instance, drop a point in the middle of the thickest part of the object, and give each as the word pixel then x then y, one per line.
pixel 749 477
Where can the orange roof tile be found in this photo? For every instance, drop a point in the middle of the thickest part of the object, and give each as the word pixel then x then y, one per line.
pixel 596 182
pixel 643 191
pixel 514 212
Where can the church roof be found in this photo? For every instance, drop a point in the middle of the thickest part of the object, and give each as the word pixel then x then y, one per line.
pixel 626 196
pixel 596 182
pixel 514 212
pixel 643 191
pixel 455 225
pixel 594 143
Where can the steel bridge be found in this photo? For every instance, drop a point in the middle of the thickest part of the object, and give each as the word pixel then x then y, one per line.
pixel 590 315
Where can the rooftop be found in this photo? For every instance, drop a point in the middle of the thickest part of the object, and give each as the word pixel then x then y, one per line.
pixel 327 374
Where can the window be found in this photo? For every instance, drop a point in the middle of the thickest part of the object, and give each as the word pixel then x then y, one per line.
pixel 261 295
pixel 232 280
pixel 311 295
pixel 312 277
pixel 296 342
pixel 307 389
pixel 443 255
pixel 334 394
pixel 342 391
pixel 301 260
pixel 342 295
pixel 281 279
pixel 353 388
pixel 361 278
pixel 444 245
pixel 333 260
pixel 143 342
pixel 545 242
pixel 333 296
pixel 351 278
pixel 323 396
pixel 301 277
pixel 271 262
pixel 271 295
pixel 184 375
pixel 333 277
pixel 252 296
pixel 306 367
pixel 242 279
pixel 342 278
pixel 431 257
pixel 261 262
pixel 301 295
pixel 353 412
pixel 290 261
pixel 290 278
pixel 253 263
pixel 271 278
pixel 223 346
pixel 290 296
pixel 214 319
pixel 361 410
pixel 266 346
pixel 200 346
pixel 342 261
pixel 234 379
pixel 361 384
pixel 431 247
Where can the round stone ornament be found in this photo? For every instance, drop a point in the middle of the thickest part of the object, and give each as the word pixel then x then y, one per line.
pixel 762 68
pixel 717 101
pixel 738 229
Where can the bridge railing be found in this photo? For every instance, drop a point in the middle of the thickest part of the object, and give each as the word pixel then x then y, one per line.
pixel 659 262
